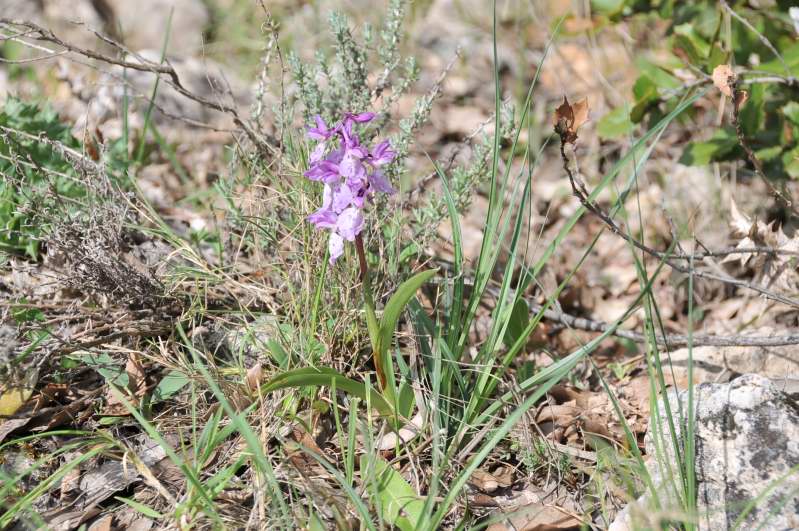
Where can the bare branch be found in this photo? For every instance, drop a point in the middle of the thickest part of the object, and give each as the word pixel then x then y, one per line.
pixel 669 340
pixel 39 33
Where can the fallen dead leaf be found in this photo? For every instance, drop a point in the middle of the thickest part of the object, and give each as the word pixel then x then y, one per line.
pixel 254 376
pixel 103 523
pixel 489 482
pixel 772 270
pixel 136 389
pixel 390 440
pixel 137 379
pixel 533 510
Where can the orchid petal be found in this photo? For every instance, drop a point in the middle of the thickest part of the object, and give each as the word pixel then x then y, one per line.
pixel 378 180
pixel 335 246
pixel 349 223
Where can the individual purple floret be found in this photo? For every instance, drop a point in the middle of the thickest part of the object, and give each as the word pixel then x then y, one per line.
pixel 350 172
pixel 321 131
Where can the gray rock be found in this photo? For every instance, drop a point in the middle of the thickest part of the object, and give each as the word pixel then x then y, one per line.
pixel 144 24
pixel 721 364
pixel 747 451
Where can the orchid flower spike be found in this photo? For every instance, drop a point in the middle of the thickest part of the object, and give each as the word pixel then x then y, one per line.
pixel 351 174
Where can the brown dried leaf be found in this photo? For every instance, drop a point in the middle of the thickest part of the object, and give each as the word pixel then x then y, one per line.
pixel 483 481
pixel 537 509
pixel 569 118
pixel 723 78
pixel 137 379
pixel 580 110
pixel 103 523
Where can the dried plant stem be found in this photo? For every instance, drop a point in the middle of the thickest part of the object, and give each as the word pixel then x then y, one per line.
pixel 669 340
pixel 738 97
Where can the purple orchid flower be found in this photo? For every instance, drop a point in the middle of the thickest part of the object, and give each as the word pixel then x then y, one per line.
pixel 382 154
pixel 361 118
pixel 378 181
pixel 350 172
pixel 324 170
pixel 321 131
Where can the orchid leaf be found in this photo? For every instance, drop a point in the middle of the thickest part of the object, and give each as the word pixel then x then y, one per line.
pixel 401 506
pixel 324 377
pixel 388 324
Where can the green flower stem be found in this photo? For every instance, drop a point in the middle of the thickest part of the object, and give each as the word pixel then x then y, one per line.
pixel 371 316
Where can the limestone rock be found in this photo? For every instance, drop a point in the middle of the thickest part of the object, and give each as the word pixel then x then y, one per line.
pixel 747 446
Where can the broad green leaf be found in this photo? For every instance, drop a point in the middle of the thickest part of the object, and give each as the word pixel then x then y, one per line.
pixel 388 323
pixel 791 112
pixel 645 88
pixel 753 116
pixel 660 70
pixel 717 57
pixel 768 154
pixel 324 377
pixel 646 92
pixel 689 41
pixel 278 353
pixel 405 400
pixel 607 7
pixel 396 304
pixel 615 124
pixel 109 368
pixel 791 162
pixel 169 385
pixel 409 251
pixel 791 57
pixel 402 507
pixel 716 149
